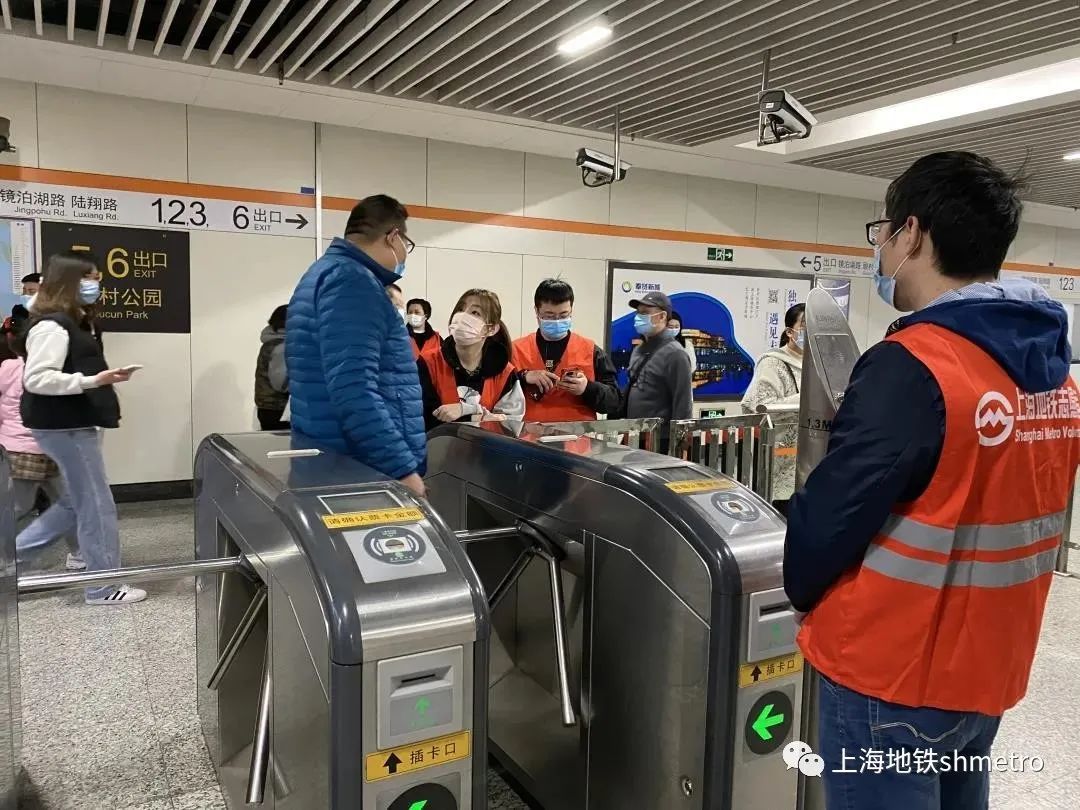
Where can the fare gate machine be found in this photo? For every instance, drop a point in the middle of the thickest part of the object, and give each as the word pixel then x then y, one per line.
pixel 10 697
pixel 643 652
pixel 346 668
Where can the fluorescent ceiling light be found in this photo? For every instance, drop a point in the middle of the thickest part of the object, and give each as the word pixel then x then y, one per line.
pixel 583 40
pixel 1072 156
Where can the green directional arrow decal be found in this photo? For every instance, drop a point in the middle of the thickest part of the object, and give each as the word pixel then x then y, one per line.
pixel 420 805
pixel 766 720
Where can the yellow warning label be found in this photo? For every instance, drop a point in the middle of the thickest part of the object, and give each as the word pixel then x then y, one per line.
pixel 350 520
pixel 416 757
pixel 750 674
pixel 699 485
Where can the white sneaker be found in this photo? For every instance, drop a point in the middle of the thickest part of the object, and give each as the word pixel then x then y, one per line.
pixel 75 563
pixel 123 595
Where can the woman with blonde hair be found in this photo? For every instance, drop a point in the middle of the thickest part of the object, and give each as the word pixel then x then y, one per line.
pixel 470 377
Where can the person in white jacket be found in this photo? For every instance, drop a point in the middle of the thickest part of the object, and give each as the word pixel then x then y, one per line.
pixel 777 377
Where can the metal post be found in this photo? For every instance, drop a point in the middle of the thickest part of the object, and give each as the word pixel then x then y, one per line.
pixel 239 636
pixel 260 744
pixel 615 176
pixel 512 576
pixel 45 583
pixel 562 666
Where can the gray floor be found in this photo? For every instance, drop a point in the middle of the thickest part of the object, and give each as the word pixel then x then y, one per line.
pixel 109 702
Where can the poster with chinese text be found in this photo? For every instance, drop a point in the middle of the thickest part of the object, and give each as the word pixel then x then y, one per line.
pixel 145 274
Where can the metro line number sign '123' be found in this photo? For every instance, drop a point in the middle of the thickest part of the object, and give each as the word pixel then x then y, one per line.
pixel 47 201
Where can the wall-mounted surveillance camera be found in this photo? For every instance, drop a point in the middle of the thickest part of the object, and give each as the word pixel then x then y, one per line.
pixel 5 136
pixel 598 169
pixel 782 118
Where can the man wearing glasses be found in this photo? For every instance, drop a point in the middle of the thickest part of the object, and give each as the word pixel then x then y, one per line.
pixel 352 376
pixel 923 545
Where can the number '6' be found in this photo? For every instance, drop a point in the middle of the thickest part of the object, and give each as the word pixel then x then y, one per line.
pixel 116 263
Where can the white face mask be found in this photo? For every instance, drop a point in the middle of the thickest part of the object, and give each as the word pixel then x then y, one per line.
pixel 466 329
pixel 417 321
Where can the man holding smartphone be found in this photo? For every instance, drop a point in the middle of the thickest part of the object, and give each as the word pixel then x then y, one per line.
pixel 568 378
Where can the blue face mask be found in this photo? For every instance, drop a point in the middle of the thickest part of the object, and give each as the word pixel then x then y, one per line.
pixel 886 285
pixel 800 339
pixel 26 299
pixel 399 268
pixel 89 291
pixel 555 330
pixel 671 333
pixel 643 324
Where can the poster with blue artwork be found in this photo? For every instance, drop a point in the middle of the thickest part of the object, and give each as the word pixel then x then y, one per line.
pixel 729 319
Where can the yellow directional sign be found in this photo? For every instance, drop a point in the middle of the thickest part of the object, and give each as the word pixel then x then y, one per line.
pixel 761 671
pixel 699 485
pixel 372 517
pixel 417 756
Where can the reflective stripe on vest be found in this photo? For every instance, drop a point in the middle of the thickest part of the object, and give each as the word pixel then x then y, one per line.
pixel 556 405
pixel 989 556
pixel 945 607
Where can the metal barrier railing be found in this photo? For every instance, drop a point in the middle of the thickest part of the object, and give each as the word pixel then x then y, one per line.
pixel 642 434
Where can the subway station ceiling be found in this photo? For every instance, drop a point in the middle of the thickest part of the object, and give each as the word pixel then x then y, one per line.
pixel 684 72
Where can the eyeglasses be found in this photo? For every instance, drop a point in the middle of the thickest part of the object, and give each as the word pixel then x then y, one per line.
pixel 410 245
pixel 873 229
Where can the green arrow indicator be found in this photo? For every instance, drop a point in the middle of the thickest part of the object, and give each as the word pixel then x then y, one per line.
pixel 420 805
pixel 422 705
pixel 763 723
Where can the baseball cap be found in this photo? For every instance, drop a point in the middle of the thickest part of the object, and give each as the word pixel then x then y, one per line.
pixel 653 299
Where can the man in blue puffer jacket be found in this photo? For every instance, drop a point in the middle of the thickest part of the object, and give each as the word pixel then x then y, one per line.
pixel 352 376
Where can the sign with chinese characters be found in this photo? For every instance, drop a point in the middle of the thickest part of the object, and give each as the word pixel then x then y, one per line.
pixel 761 671
pixel 720 254
pixel 146 274
pixel 107 207
pixel 417 756
pixel 350 520
pixel 836 265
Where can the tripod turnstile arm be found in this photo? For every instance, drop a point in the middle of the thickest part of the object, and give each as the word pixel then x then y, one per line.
pixel 44 583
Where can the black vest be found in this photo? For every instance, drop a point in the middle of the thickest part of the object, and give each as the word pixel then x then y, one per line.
pixel 95 407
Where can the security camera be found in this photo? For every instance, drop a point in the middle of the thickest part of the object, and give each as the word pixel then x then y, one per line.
pixel 5 134
pixel 597 169
pixel 782 118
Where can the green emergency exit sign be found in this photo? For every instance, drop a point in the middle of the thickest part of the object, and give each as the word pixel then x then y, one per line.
pixel 721 254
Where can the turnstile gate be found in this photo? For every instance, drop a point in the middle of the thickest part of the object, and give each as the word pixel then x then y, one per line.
pixel 347 669
pixel 681 683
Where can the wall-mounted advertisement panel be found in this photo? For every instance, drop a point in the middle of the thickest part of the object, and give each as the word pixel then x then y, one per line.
pixel 730 318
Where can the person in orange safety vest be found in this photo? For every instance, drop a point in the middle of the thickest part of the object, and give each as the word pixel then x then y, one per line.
pixel 568 377
pixel 921 548
pixel 418 319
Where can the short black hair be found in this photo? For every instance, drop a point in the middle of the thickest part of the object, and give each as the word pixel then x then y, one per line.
pixel 969 206
pixel 791 317
pixel 375 216
pixel 424 305
pixel 553 291
pixel 33 278
pixel 278 317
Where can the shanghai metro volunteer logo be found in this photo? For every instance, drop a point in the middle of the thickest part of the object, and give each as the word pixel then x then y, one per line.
pixel 994 419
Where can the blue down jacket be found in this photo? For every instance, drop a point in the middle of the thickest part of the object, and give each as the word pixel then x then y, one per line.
pixel 352 376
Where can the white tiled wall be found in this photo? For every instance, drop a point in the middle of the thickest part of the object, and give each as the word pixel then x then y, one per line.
pixel 203 383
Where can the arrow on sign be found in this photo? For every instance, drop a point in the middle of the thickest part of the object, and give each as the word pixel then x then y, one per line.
pixel 755 673
pixel 298 221
pixel 764 722
pixel 420 805
pixel 804 261
pixel 393 760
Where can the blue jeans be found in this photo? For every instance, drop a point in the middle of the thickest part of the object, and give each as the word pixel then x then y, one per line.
pixel 85 507
pixel 856 731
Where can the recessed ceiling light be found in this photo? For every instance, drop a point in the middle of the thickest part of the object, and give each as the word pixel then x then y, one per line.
pixel 1072 156
pixel 583 40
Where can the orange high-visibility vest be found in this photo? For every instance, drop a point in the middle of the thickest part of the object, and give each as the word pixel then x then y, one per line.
pixel 556 405
pixel 442 376
pixel 432 344
pixel 945 608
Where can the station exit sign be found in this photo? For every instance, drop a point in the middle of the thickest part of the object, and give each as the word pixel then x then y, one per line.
pixel 721 254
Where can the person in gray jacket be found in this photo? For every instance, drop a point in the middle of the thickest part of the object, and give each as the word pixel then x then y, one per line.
pixel 659 368
pixel 271 376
